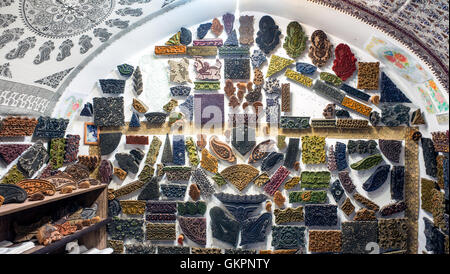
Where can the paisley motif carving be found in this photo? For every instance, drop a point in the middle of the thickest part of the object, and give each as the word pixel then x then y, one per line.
pixel 32 186
pixel 261 150
pixel 221 149
pixel 117 23
pixel 44 52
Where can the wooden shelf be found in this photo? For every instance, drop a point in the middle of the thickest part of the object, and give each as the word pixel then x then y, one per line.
pixel 16 207
pixel 40 249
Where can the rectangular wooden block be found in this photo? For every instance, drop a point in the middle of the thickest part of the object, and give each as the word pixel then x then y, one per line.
pixel 201 51
pixel 286 97
pixel 170 50
pixel 356 106
pixel 299 78
pixel 136 140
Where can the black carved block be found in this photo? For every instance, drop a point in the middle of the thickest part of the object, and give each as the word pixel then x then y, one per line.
pixel 156 118
pixel 127 162
pixel 114 208
pixel 237 68
pixel 397 182
pixel 224 227
pixel 429 156
pixel 112 86
pixel 271 160
pixel 288 237
pixel 320 215
pixel 254 229
pixel 150 190
pixel 108 111
pixel 12 193
pixel 435 238
pixel 50 127
pixel 33 159
pixel 292 152
pixel 109 142
pixel 356 235
pixel 377 178
pixel 243 139
pixel 337 191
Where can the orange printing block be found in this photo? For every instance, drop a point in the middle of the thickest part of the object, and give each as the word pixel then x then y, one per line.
pixel 356 106
pixel 32 186
pixel 170 50
pixel 136 140
pixel 17 126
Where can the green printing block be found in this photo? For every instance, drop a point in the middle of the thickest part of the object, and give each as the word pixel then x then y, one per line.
pixel 330 78
pixel 329 91
pixel 225 51
pixel 310 179
pixel 291 122
pixel 308 197
pixel 206 85
pixel 368 162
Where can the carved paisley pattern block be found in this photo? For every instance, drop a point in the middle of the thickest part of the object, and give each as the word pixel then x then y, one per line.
pixel 261 150
pixel 222 150
pixel 32 186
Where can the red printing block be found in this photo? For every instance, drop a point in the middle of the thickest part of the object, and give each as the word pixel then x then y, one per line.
pixel 137 140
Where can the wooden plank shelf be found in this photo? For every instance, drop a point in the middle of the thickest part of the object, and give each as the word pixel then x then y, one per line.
pixel 16 207
pixel 40 249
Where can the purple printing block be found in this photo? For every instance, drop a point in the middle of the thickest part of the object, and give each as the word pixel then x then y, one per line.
pixel 276 180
